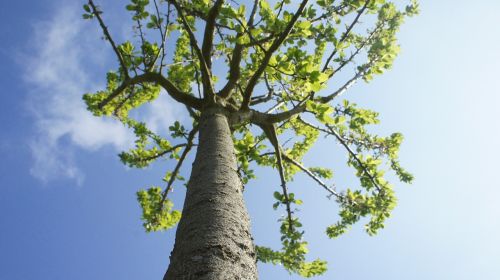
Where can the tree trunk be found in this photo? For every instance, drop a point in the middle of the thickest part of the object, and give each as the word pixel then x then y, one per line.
pixel 213 239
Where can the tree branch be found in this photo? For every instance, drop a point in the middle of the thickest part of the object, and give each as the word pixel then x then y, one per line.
pixel 270 131
pixel 171 180
pixel 234 67
pixel 107 35
pixel 358 49
pixel 208 38
pixel 342 89
pixel 205 71
pixel 234 72
pixel 313 176
pixel 349 83
pixel 151 77
pixel 346 34
pixel 265 118
pixel 202 16
pixel 163 35
pixel 331 131
pixel 330 13
pixel 247 94
pixel 162 153
pixel 263 98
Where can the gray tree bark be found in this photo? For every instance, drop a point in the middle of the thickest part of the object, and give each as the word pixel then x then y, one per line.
pixel 213 239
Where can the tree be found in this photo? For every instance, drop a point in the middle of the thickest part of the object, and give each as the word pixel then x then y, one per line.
pixel 279 61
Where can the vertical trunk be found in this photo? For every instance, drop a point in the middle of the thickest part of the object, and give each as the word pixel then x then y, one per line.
pixel 213 240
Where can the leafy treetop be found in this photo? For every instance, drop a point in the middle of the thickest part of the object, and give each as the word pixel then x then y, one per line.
pixel 279 61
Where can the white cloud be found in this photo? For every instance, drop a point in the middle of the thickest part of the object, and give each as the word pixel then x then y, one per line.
pixel 162 112
pixel 59 69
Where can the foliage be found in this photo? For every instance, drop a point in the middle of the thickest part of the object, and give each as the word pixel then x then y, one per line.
pixel 281 58
pixel 157 214
pixel 292 255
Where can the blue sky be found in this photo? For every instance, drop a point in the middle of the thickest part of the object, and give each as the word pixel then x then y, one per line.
pixel 68 205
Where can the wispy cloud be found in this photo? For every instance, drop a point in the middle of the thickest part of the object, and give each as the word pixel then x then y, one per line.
pixel 59 69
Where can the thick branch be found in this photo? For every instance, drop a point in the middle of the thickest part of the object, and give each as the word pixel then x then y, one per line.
pixel 151 77
pixel 234 72
pixel 265 118
pixel 208 38
pixel 253 12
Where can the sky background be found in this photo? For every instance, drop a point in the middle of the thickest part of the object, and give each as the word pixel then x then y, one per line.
pixel 68 206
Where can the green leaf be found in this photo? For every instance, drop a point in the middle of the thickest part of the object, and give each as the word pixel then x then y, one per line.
pixel 304 24
pixel 86 8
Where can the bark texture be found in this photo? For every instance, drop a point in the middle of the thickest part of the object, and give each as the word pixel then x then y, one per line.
pixel 213 239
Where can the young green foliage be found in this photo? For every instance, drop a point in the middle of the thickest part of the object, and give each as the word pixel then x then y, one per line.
pixel 284 64
pixel 157 214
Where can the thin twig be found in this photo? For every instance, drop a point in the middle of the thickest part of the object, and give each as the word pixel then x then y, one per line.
pixel 164 152
pixel 270 131
pixel 346 34
pixel 331 131
pixel 268 54
pixel 97 13
pixel 205 70
pixel 171 180
pixel 313 176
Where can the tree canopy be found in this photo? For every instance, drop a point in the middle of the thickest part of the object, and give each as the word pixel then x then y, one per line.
pixel 278 68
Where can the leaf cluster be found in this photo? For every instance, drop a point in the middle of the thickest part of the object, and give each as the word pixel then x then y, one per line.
pixel 157 213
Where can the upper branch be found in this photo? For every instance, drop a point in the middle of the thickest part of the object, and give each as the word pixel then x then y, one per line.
pixel 202 16
pixel 252 13
pixel 342 89
pixel 234 72
pixel 247 94
pixel 346 33
pixel 234 67
pixel 265 97
pixel 205 70
pixel 331 131
pixel 208 38
pixel 358 49
pixel 107 35
pixel 163 35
